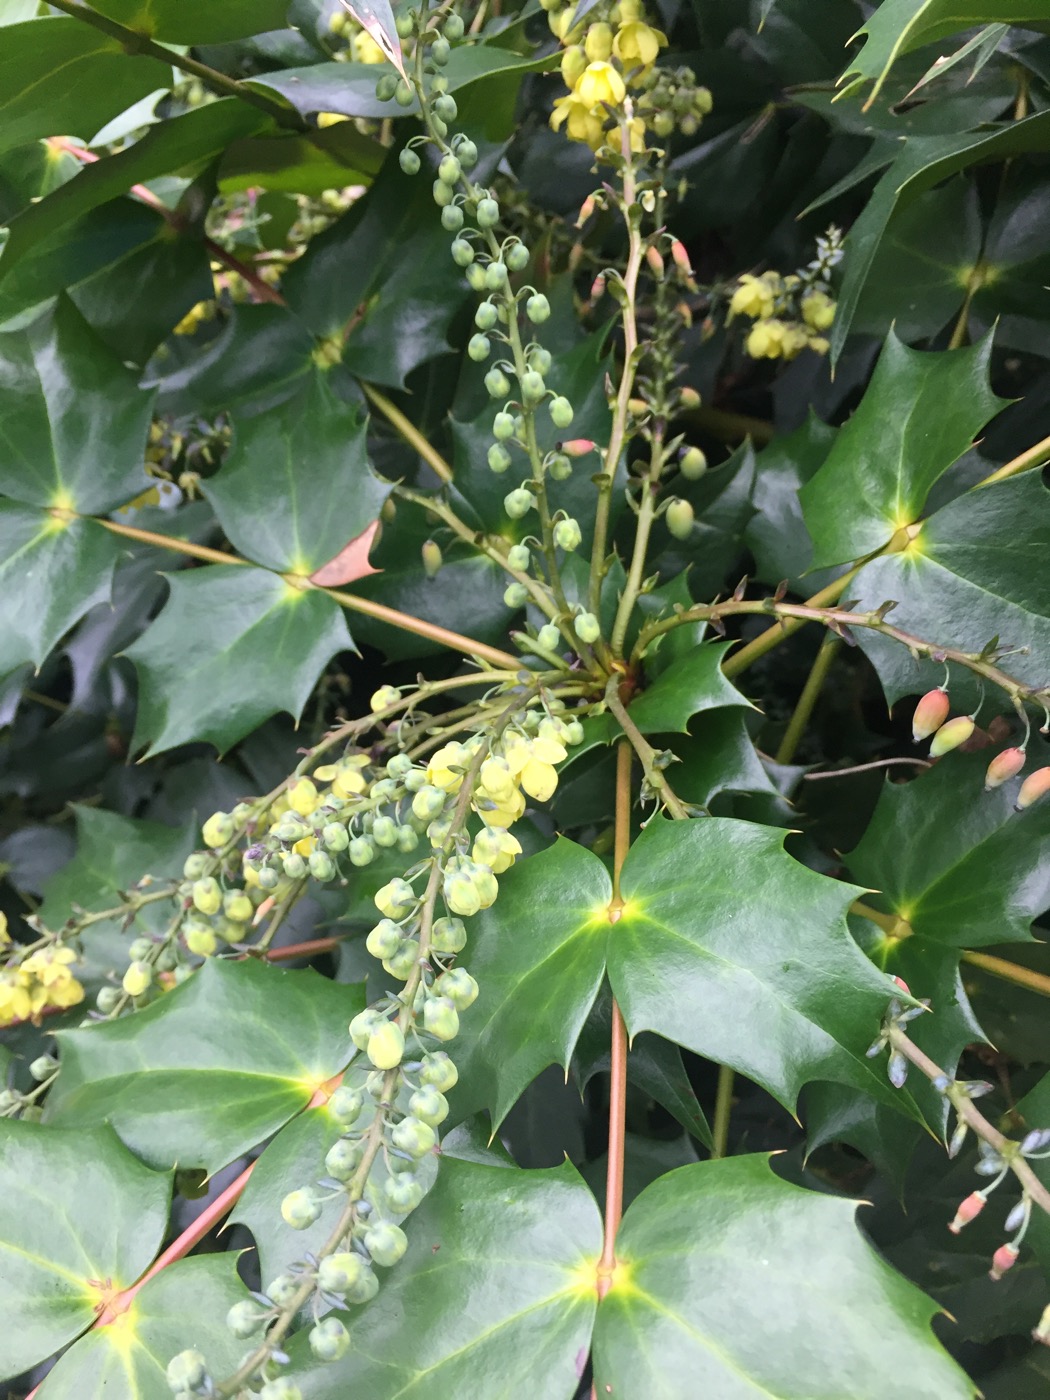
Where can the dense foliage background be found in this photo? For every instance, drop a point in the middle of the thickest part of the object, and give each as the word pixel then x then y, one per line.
pixel 229 318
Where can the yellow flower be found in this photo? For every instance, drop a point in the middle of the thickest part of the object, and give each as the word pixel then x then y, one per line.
pixel 583 123
pixel 796 338
pixel 753 297
pixel 445 769
pixel 504 813
pixel 539 779
pixel 5 933
pixel 366 50
pixel 303 797
pixel 600 82
pixel 636 43
pixel 496 779
pixel 15 1004
pixel 496 849
pixel 766 340
pixel 818 310
pixel 598 43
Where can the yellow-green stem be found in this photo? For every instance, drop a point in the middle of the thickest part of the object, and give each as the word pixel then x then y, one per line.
pixel 1036 456
pixel 808 699
pixel 411 434
pixel 723 1109
pixel 1009 971
pixel 740 660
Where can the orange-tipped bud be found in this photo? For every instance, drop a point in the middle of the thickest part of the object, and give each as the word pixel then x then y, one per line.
pixel 1003 766
pixel 969 1210
pixel 690 399
pixel 654 258
pixel 577 447
pixel 681 258
pixel 1033 788
pixel 1005 1257
pixel 586 210
pixel 951 735
pixel 930 714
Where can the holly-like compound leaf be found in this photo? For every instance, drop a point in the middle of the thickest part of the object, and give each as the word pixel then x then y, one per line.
pixel 690 686
pixel 231 647
pixel 499 1283
pixel 296 485
pixel 750 1286
pixel 186 1304
pixel 52 571
pixel 919 414
pixel 73 421
pixel 212 1068
pixel 960 869
pixel 89 77
pixel 58 1259
pixel 899 26
pixel 725 945
pixel 924 162
pixel 776 535
pixel 976 571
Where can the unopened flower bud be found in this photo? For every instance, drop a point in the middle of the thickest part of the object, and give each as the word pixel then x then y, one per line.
pixel 432 558
pixel 561 411
pixel 1003 766
pixel 692 464
pixel 1005 1257
pixel 680 519
pixel 586 627
pixel 655 260
pixel 969 1210
pixel 689 398
pixel 681 258
pixel 1041 1330
pixel 577 447
pixel 930 714
pixel 951 735
pixel 1033 787
pixel 567 535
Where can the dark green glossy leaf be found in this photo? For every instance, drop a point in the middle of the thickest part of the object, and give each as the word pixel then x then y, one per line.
pixel 129 1357
pixel 231 647
pixel 88 78
pixel 187 143
pixel 719 756
pixel 924 162
pixel 976 571
pixel 381 279
pixel 212 1068
pixel 920 413
pixel 776 535
pixel 956 862
pixel 327 159
pixel 899 26
pixel 285 470
pixel 689 686
pixel 350 88
pixel 717 917
pixel 74 421
pixel 196 21
pixel 750 1286
pixel 499 1283
pixel 57 1259
pixel 51 573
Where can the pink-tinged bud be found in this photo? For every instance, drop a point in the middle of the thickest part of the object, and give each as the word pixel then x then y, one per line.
pixel 680 257
pixel 598 287
pixel 1005 1257
pixel 1033 788
pixel 577 447
pixel 689 398
pixel 969 1210
pixel 930 714
pixel 655 260
pixel 903 985
pixel 1004 765
pixel 951 735
pixel 586 210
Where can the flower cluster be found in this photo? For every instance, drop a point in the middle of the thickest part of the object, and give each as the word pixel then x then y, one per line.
pixel 602 60
pixel 791 313
pixel 458 806
pixel 351 42
pixel 44 978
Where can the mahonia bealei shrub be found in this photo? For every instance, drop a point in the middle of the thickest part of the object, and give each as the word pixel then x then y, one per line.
pixel 789 313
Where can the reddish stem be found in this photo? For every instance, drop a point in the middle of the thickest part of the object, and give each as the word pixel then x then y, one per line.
pixel 302 950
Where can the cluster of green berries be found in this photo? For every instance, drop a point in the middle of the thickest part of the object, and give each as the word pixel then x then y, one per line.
pixel 931 719
pixel 671 99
